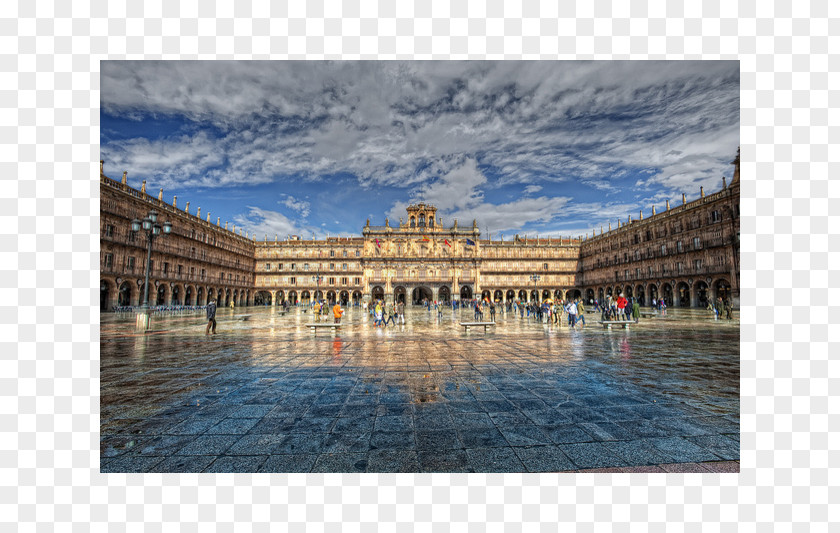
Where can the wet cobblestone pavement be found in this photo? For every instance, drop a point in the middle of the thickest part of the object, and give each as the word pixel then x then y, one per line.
pixel 266 395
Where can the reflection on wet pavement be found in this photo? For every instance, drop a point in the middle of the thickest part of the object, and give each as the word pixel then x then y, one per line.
pixel 266 395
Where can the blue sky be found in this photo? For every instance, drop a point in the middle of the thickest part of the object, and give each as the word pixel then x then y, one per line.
pixel 313 148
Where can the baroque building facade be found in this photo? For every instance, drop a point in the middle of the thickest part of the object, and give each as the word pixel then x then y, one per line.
pixel 686 255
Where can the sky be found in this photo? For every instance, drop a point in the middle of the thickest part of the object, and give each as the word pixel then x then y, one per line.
pixel 314 148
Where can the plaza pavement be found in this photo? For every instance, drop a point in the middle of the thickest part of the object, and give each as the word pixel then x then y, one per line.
pixel 266 395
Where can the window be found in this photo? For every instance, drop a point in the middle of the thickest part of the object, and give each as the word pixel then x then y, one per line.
pixel 332 266
pixel 636 255
pixel 292 281
pixel 357 281
pixel 697 243
pixel 679 247
pixel 626 274
pixel 715 216
pixel 202 273
pixel 664 249
pixel 698 264
pixel 331 281
pixel 165 267
pixel 720 260
pixel 279 266
pixel 180 269
pixel 332 253
pixel 130 265
pixel 230 277
pixel 292 266
pixel 680 268
pixel 344 266
pixel 109 230
pixel 545 266
pixel 192 272
pixel 152 265
pixel 109 261
pixel 357 253
pixel 132 236
pixel 306 266
pixel 650 271
pixel 221 276
pixel 268 266
pixel 344 281
pixel 192 252
pixel 638 273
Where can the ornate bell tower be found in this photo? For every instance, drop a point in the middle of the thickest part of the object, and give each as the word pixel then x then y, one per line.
pixel 422 217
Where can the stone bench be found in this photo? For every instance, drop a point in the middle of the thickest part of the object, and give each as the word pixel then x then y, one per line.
pixel 468 325
pixel 647 313
pixel 314 327
pixel 608 324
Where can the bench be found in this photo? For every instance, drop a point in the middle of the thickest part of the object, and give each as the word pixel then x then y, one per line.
pixel 314 327
pixel 609 323
pixel 647 313
pixel 468 325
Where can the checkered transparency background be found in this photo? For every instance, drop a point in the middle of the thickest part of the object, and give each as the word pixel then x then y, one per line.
pixel 49 134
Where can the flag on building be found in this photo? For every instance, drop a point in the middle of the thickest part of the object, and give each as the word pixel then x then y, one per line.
pixel 425 238
pixel 377 243
pixel 470 243
pixel 447 243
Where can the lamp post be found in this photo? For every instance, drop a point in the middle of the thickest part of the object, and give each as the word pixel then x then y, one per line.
pixel 152 229
pixel 535 278
pixel 317 279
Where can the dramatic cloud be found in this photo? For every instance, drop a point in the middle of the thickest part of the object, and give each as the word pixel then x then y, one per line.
pixel 448 133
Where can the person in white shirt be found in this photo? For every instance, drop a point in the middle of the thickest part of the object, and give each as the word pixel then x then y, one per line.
pixel 572 310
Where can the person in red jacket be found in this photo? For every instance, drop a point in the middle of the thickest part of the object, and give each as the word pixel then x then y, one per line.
pixel 621 303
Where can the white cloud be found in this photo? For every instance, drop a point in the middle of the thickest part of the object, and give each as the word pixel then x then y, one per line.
pixel 409 123
pixel 262 222
pixel 301 206
pixel 530 189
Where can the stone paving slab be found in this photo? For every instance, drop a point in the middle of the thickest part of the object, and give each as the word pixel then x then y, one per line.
pixel 265 396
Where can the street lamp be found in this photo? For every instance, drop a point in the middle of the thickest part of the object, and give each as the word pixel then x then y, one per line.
pixel 317 281
pixel 152 229
pixel 535 278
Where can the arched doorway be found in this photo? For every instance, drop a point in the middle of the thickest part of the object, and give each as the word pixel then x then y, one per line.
pixel 546 294
pixel 331 297
pixel 534 295
pixel 510 295
pixel 558 294
pixel 466 292
pixel 683 294
pixel 399 294
pixel 199 296
pixel 421 293
pixel 601 294
pixel 590 296
pixel 319 295
pixel 619 292
pixel 522 296
pixel 653 292
pixel 124 297
pixel 176 295
pixel 377 293
pixel 628 291
pixel 640 294
pixel 227 298
pixel 344 298
pixel 485 295
pixel 668 294
pixel 609 292
pixel 573 294
pixel 293 297
pixel 104 295
pixel 443 294
pixel 305 297
pixel 188 295
pixel 497 296
pixel 723 290
pixel 701 293
pixel 279 298
pixel 161 295
pixel 211 295
pixel 261 298
pixel 357 297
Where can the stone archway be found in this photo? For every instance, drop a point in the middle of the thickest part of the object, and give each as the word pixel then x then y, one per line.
pixel 628 291
pixel 683 294
pixel 357 297
pixel 573 294
pixel 199 296
pixel 609 292
pixel 558 295
pixel 161 294
pixel 305 297
pixel 262 298
pixel 722 289
pixel 533 295
pixel 443 294
pixel 497 296
pixel 188 295
pixel 466 292
pixel 522 295
pixel 344 298
pixel 590 296
pixel 331 297
pixel 668 294
pixel 510 295
pixel 176 295
pixel 421 293
pixel 377 293
pixel 640 294
pixel 485 295
pixel 279 297
pixel 601 295
pixel 702 294
pixel 653 293
pixel 124 295
pixel 546 294
pixel 399 294
pixel 105 292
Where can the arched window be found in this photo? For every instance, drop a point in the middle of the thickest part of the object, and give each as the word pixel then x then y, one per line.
pixel 422 222
pixel 431 222
pixel 412 222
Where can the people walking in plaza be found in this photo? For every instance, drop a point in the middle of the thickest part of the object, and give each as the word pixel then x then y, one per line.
pixel 580 310
pixel 392 312
pixel 401 312
pixel 211 317
pixel 572 310
pixel 316 310
pixel 636 311
pixel 337 312
pixel 492 312
pixel 719 308
pixel 477 311
pixel 727 306
pixel 621 305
